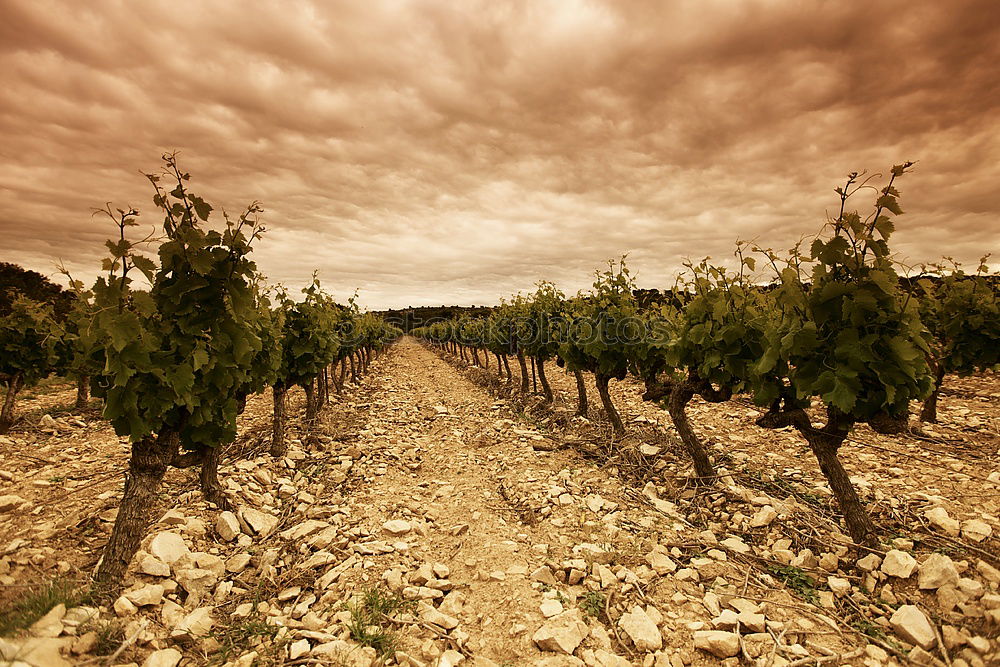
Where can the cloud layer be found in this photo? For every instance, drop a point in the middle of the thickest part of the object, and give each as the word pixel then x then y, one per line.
pixel 434 152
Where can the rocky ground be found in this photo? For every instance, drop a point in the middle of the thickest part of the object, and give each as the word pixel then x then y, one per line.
pixel 434 518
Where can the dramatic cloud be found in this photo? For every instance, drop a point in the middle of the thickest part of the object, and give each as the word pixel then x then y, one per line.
pixel 434 152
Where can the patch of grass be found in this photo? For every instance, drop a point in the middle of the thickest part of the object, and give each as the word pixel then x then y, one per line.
pixel 869 629
pixel 592 604
pixel 110 635
pixel 240 634
pixel 369 613
pixel 36 601
pixel 797 580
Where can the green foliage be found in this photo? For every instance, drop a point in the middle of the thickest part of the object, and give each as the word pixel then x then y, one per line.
pixel 309 336
pixel 846 332
pixel 592 604
pixel 962 313
pixel 30 339
pixel 599 329
pixel 534 318
pixel 237 636
pixel 110 634
pixel 16 281
pixel 797 580
pixel 719 336
pixel 179 355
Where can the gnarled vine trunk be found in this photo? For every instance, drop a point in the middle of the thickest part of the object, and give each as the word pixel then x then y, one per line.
pixel 929 411
pixel 149 461
pixel 311 407
pixel 354 369
pixel 506 367
pixel 524 372
pixel 211 487
pixel 342 376
pixel 680 395
pixel 82 392
pixel 278 445
pixel 546 389
pixel 824 443
pixel 7 413
pixel 602 381
pixel 581 393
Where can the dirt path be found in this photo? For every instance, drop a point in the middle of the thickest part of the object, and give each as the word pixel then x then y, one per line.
pixel 454 464
pixel 455 451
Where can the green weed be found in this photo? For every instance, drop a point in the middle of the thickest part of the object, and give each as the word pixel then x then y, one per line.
pixel 797 580
pixel 592 604
pixel 369 613
pixel 37 601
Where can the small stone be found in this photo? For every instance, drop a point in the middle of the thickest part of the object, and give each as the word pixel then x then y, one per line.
pixel 938 517
pixel 168 547
pixel 85 643
pixel 196 581
pixel 34 652
pixel 164 657
pixel 899 564
pixel 661 563
pixel 124 607
pixel 10 503
pixel 397 527
pixel 829 562
pixel 196 624
pixel 976 530
pixel 550 608
pixel 261 523
pixel 763 517
pixel 544 575
pixel 562 633
pixel 435 617
pixel 237 563
pixel 51 624
pixel 147 595
pixel 918 656
pixel 450 658
pixel 752 622
pixel 838 585
pixel 173 518
pixel 736 544
pixel 227 526
pixel 912 626
pixel 154 567
pixel 717 642
pixel 937 571
pixel 806 559
pixel 869 563
pixel 641 630
pixel 299 648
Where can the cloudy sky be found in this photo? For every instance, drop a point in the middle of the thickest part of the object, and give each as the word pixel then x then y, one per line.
pixel 455 151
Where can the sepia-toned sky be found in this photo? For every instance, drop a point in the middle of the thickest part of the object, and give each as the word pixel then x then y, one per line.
pixel 455 151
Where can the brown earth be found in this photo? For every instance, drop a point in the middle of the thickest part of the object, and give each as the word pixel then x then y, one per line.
pixel 498 492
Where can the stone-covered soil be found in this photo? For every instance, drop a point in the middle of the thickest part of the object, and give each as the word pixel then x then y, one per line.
pixel 433 516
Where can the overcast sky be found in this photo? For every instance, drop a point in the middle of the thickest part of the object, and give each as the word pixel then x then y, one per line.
pixel 457 151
